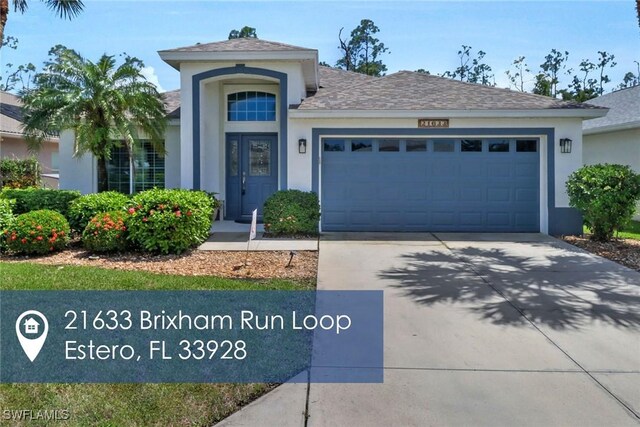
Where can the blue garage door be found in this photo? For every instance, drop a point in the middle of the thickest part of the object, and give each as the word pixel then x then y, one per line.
pixel 435 184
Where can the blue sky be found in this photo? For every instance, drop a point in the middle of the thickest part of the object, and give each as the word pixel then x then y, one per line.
pixel 419 34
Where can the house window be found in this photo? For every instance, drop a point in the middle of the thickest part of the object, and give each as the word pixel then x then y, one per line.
pixel 146 171
pixel 251 107
pixel 55 165
pixel 389 145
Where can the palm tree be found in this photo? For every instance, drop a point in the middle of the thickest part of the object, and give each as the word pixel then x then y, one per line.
pixel 105 106
pixel 63 8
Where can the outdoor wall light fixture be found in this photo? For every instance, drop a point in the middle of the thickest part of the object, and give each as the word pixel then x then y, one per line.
pixel 565 145
pixel 302 146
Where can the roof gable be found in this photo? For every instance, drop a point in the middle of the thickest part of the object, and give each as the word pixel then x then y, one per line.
pixel 247 44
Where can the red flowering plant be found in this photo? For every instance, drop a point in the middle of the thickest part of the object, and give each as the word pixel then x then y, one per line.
pixel 169 221
pixel 106 232
pixel 37 232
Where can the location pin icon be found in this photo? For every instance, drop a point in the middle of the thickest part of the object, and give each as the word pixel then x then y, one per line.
pixel 35 328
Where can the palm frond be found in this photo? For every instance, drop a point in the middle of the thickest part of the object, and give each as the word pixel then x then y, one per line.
pixel 66 9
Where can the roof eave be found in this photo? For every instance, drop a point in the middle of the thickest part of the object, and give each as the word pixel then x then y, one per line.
pixel 537 113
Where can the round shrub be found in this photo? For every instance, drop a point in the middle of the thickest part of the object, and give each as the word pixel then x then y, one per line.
pixel 292 212
pixel 82 209
pixel 106 232
pixel 6 220
pixel 606 195
pixel 33 199
pixel 38 232
pixel 169 221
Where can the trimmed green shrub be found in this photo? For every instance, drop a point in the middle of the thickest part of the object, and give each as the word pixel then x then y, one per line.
pixel 19 173
pixel 6 220
pixel 34 199
pixel 106 232
pixel 82 209
pixel 38 232
pixel 292 212
pixel 606 195
pixel 169 221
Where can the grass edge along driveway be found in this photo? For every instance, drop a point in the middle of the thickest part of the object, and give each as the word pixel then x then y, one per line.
pixel 129 404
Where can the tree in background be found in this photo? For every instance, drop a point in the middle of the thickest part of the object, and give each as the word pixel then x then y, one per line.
pixel 553 66
pixel 472 70
pixel 517 75
pixel 630 79
pixel 106 106
pixel 15 78
pixel 63 8
pixel 605 61
pixel 361 52
pixel 244 33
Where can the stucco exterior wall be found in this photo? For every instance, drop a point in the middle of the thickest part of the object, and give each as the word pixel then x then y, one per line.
pixel 172 157
pixel 16 148
pixel 621 147
pixel 76 173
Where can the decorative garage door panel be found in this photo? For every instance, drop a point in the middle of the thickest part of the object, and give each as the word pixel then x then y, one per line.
pixel 430 185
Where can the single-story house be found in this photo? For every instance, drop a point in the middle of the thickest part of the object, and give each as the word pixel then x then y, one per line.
pixel 403 152
pixel 14 146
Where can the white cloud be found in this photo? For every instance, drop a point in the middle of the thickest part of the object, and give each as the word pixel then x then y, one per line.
pixel 150 74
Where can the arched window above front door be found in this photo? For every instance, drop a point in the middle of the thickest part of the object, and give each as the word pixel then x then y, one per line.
pixel 251 107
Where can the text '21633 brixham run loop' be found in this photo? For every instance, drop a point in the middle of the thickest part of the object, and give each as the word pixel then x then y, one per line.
pixel 203 336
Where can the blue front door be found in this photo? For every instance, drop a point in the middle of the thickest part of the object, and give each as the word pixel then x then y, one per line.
pixel 252 173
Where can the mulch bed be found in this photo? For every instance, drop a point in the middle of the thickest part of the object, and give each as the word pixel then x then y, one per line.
pixel 622 251
pixel 259 265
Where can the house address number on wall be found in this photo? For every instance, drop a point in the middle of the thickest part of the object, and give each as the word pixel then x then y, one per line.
pixel 433 123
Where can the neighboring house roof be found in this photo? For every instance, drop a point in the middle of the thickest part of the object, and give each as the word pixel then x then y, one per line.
pixel 408 90
pixel 10 114
pixel 239 45
pixel 624 111
pixel 172 103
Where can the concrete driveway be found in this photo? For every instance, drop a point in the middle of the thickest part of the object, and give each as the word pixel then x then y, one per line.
pixel 492 330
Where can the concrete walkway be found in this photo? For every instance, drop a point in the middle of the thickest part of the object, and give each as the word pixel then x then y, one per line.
pixel 232 236
pixel 480 329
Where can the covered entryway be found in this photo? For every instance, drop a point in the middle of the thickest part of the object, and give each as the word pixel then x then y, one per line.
pixel 251 173
pixel 430 184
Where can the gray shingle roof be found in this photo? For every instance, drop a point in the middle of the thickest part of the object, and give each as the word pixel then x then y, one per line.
pixel 172 103
pixel 624 109
pixel 10 113
pixel 407 90
pixel 242 45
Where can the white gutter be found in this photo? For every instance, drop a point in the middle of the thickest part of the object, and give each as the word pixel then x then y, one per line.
pixel 375 114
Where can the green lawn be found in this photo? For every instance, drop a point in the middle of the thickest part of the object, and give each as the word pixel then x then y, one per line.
pixel 128 404
pixel 631 231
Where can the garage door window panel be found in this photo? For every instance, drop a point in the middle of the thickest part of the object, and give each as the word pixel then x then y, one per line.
pixel 416 145
pixel 333 145
pixel 361 145
pixel 499 145
pixel 389 145
pixel 471 145
pixel 527 145
pixel 444 145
